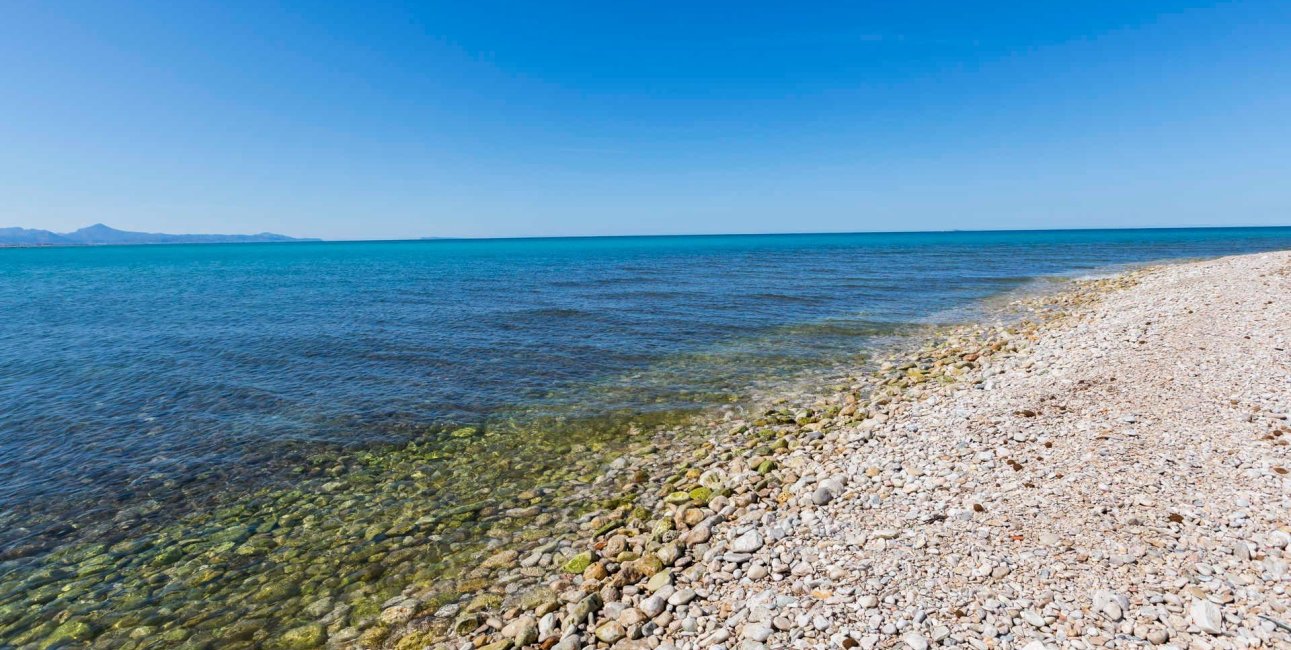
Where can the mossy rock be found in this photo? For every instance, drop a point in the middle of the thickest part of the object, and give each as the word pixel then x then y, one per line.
pixel 73 630
pixel 701 494
pixel 239 631
pixel 373 637
pixel 677 497
pixel 416 640
pixel 167 556
pixel 482 602
pixel 579 563
pixel 365 610
pixel 300 638
pixel 473 585
pixel 174 635
pixel 276 591
pixel 662 526
pixel 535 598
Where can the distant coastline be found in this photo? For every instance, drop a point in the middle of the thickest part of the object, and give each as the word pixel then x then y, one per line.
pixel 101 235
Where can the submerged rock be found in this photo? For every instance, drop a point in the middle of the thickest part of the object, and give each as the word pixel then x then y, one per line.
pixel 305 636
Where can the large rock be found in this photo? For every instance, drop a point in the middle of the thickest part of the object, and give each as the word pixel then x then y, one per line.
pixel 821 496
pixel 915 641
pixel 1206 615
pixel 586 607
pixel 579 563
pixel 523 630
pixel 659 581
pixel 747 543
pixel 681 597
pixel 653 606
pixel 305 636
pixel 610 632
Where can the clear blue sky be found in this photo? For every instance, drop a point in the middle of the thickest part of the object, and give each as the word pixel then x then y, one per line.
pixel 512 119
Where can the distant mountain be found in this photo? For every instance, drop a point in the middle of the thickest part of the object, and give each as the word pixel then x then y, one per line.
pixel 100 235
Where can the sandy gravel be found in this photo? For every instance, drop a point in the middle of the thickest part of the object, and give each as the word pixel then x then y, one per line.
pixel 1119 481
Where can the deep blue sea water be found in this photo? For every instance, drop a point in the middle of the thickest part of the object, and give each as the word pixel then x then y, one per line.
pixel 121 366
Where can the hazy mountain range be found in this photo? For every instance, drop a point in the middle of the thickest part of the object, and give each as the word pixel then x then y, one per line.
pixel 99 234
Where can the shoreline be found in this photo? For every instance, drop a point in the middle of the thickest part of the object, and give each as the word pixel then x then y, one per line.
pixel 669 506
pixel 710 570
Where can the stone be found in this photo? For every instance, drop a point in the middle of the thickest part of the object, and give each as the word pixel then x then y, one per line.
pixel 668 554
pixel 399 614
pixel 631 616
pixel 682 597
pixel 821 496
pixel 699 534
pixel 756 631
pixel 677 498
pixel 579 562
pixel 524 631
pixel 653 606
pixel 77 630
pixel 536 598
pixel 595 571
pixel 548 626
pixel 1242 551
pixel 1206 616
pixel 915 641
pixel 659 581
pixel 610 632
pixel 1032 617
pixel 586 607
pixel 305 636
pixel 500 560
pixel 940 633
pixel 747 543
pixel 1108 604
pixel 467 623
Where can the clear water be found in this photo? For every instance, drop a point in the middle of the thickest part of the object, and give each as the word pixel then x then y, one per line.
pixel 126 371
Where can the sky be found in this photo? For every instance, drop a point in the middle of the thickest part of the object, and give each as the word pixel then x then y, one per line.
pixel 485 119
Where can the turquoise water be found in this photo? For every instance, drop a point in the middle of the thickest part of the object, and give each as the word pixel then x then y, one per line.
pixel 168 372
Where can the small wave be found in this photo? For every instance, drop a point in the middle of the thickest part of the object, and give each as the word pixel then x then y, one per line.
pixel 550 313
pixel 784 298
pixel 647 294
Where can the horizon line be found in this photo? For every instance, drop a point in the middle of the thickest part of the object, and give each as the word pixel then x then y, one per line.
pixel 429 239
pixel 799 233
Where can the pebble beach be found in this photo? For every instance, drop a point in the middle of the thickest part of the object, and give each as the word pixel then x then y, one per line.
pixel 1111 470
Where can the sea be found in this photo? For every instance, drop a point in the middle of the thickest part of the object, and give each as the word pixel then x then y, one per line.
pixel 169 382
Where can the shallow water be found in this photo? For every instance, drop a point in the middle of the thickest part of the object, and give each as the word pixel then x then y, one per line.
pixel 131 366
pixel 153 399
